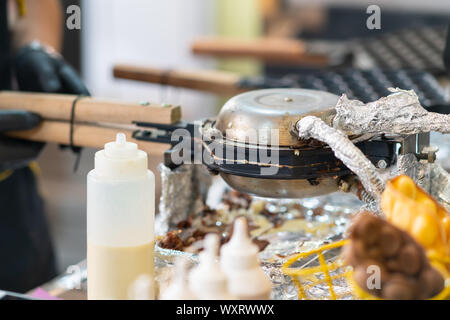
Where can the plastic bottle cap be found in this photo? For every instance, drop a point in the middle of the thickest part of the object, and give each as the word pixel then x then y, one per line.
pixel 121 148
pixel 210 249
pixel 121 159
pixel 240 252
pixel 207 280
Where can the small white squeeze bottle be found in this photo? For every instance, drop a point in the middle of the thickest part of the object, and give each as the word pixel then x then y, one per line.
pixel 179 287
pixel 239 260
pixel 207 280
pixel 120 220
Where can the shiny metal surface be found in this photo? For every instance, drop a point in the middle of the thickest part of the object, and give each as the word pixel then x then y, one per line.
pixel 277 188
pixel 263 110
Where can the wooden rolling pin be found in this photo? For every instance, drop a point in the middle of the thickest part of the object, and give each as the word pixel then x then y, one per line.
pixel 96 121
pixel 276 50
pixel 218 82
pixel 84 136
pixel 59 107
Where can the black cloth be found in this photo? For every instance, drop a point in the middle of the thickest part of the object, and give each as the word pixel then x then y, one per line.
pixel 5 65
pixel 26 251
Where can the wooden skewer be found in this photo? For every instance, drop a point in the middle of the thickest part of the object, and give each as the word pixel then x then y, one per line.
pixel 59 107
pixel 218 82
pixel 277 50
pixel 83 136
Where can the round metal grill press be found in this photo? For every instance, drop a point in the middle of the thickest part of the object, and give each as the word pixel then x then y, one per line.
pixel 268 159
pixel 356 138
pixel 240 145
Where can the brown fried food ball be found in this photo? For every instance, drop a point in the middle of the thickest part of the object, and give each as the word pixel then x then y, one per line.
pixel 349 254
pixel 431 283
pixel 404 269
pixel 410 260
pixel 370 277
pixel 389 241
pixel 366 228
pixel 399 287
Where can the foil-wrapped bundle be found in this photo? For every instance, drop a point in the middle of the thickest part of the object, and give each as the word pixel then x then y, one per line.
pixel 183 192
pixel 398 113
pixel 345 150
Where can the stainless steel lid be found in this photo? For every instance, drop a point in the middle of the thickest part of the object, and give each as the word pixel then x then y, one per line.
pixel 260 111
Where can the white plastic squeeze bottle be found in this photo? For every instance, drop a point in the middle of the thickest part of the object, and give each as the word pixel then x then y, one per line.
pixel 207 281
pixel 179 288
pixel 239 260
pixel 120 220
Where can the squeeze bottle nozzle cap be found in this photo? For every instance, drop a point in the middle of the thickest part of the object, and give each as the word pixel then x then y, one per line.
pixel 210 249
pixel 240 252
pixel 121 159
pixel 207 280
pixel 240 231
pixel 121 148
pixel 178 288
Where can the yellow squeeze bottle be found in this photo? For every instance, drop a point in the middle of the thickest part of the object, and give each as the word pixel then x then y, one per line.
pixel 120 220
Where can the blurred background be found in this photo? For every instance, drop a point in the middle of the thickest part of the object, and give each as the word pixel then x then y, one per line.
pixel 160 33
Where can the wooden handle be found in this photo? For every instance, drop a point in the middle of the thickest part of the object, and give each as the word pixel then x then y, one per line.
pixel 276 50
pixel 59 107
pixel 83 136
pixel 218 82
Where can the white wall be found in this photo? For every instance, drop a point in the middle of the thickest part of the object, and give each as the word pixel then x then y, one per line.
pixel 146 32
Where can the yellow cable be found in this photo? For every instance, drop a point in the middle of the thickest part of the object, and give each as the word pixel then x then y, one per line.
pixel 290 271
pixel 309 274
pixel 34 167
pixel 296 273
pixel 326 272
pixel 5 175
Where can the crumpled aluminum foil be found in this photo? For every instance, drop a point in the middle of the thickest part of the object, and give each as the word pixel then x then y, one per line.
pixel 183 192
pixel 345 150
pixel 442 143
pixel 398 113
pixel 431 177
pixel 337 212
pixel 440 186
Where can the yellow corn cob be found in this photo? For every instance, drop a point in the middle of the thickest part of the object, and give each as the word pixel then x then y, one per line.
pixel 410 208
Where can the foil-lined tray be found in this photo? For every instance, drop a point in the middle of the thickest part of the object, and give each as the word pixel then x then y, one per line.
pixel 324 220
